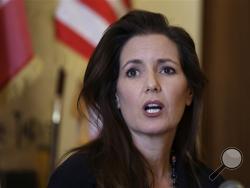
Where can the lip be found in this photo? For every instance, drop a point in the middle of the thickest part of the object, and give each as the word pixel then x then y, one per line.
pixel 156 114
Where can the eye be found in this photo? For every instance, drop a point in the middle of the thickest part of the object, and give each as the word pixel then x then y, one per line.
pixel 132 72
pixel 168 70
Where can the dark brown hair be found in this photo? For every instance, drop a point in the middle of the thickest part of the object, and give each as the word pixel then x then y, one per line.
pixel 115 160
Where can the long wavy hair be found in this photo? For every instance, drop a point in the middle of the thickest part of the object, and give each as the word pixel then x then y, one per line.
pixel 114 159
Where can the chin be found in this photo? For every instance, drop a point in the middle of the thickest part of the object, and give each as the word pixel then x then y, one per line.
pixel 153 131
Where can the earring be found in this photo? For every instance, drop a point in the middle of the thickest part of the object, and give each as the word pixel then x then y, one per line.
pixel 117 101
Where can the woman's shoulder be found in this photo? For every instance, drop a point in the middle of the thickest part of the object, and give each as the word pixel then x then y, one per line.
pixel 73 172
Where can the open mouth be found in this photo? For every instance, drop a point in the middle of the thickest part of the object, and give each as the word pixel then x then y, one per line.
pixel 153 108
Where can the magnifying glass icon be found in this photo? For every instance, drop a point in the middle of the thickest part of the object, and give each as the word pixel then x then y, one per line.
pixel 231 158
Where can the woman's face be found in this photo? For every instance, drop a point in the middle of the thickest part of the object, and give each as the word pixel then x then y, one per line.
pixel 152 90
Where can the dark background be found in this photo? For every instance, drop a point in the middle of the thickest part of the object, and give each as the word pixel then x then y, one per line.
pixel 226 61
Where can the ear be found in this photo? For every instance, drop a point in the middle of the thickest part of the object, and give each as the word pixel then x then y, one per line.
pixel 189 97
pixel 117 101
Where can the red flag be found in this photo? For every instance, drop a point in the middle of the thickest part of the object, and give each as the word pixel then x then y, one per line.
pixel 81 23
pixel 15 44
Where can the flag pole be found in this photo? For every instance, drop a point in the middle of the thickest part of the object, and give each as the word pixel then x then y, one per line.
pixel 56 118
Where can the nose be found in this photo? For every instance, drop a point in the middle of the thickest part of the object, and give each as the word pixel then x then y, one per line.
pixel 152 83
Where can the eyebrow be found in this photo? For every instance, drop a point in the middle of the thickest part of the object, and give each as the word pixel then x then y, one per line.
pixel 132 61
pixel 159 61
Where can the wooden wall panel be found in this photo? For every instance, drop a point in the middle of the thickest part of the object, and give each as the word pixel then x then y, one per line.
pixel 226 62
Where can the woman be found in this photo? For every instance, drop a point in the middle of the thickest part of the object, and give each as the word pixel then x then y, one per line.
pixel 144 83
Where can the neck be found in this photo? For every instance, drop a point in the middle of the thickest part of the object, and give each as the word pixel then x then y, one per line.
pixel 157 150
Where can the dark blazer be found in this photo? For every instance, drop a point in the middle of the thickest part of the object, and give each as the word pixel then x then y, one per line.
pixel 75 173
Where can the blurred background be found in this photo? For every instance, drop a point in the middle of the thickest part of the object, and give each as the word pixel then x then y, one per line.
pixel 44 51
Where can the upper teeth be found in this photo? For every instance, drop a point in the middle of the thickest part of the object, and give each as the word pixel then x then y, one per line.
pixel 153 108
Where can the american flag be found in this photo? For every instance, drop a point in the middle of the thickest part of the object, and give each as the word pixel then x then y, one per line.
pixel 81 23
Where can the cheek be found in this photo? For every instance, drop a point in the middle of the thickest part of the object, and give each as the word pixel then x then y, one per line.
pixel 180 96
pixel 129 99
pixel 177 97
pixel 127 95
